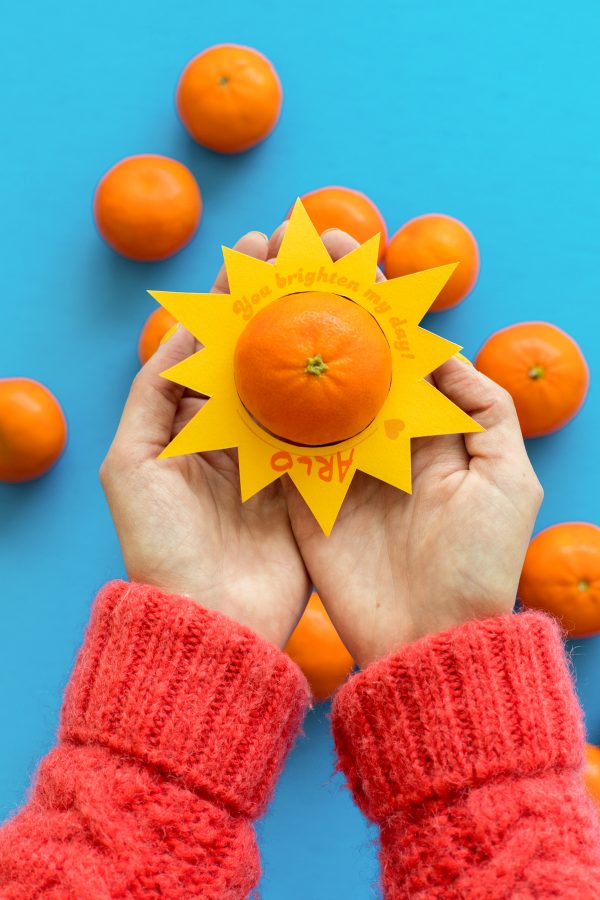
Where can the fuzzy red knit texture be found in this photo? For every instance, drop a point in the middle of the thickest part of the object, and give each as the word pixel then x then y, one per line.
pixel 175 726
pixel 466 749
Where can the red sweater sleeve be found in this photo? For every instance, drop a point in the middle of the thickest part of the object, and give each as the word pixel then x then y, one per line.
pixel 175 726
pixel 466 749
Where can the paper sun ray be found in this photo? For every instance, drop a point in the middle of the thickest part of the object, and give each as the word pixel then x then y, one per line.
pixel 413 407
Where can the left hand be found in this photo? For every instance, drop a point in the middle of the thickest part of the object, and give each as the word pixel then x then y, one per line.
pixel 397 567
pixel 180 521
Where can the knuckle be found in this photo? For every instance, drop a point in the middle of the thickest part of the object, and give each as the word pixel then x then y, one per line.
pixel 537 489
pixel 504 400
pixel 139 377
pixel 104 471
pixel 531 486
pixel 114 463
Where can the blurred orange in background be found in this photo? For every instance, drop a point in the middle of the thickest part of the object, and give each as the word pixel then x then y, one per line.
pixel 345 208
pixel 33 429
pixel 591 772
pixel 435 240
pixel 229 98
pixel 156 327
pixel 316 647
pixel 544 371
pixel 561 575
pixel 147 207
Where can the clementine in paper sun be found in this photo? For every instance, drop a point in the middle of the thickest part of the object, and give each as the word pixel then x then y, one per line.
pixel 412 408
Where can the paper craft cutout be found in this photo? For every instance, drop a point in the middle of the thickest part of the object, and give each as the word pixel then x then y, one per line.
pixel 413 408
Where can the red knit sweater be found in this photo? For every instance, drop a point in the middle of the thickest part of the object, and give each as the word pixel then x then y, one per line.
pixel 465 748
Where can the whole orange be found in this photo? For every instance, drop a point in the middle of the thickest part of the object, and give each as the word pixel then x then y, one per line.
pixel 147 207
pixel 345 208
pixel 229 98
pixel 561 575
pixel 33 430
pixel 542 368
pixel 435 240
pixel 591 772
pixel 313 368
pixel 316 647
pixel 157 325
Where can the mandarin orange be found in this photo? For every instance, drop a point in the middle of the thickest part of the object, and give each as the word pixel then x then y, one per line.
pixel 147 207
pixel 435 240
pixel 229 98
pixel 345 208
pixel 313 368
pixel 33 430
pixel 316 647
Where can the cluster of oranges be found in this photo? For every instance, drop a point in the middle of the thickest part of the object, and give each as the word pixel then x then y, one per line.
pixel 148 207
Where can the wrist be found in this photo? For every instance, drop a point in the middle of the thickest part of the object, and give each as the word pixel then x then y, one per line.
pixel 399 630
pixel 245 602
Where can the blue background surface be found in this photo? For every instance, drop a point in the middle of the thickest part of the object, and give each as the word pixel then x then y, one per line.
pixel 485 111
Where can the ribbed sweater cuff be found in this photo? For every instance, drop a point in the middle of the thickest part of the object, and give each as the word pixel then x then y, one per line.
pixel 161 679
pixel 487 700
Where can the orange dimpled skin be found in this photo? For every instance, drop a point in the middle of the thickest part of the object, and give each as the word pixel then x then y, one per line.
pixel 313 368
pixel 544 371
pixel 345 208
pixel 147 207
pixel 157 325
pixel 33 430
pixel 591 772
pixel 316 647
pixel 561 575
pixel 435 240
pixel 229 98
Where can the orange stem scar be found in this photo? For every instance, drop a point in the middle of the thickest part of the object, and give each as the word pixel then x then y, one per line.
pixel 315 365
pixel 536 372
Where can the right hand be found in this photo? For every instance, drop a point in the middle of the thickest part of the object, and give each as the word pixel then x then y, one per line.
pixel 397 567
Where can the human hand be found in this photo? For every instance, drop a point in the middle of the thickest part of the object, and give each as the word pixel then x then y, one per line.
pixel 180 521
pixel 397 567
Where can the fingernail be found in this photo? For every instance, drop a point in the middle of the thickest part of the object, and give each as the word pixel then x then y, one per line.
pixel 281 227
pixel 261 234
pixel 329 230
pixel 169 334
pixel 463 359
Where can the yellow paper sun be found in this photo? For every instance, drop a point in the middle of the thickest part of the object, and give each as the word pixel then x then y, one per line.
pixel 413 407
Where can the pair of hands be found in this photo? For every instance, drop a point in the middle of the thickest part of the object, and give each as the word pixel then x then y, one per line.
pixel 395 568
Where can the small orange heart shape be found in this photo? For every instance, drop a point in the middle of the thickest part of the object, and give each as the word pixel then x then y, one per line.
pixel 393 427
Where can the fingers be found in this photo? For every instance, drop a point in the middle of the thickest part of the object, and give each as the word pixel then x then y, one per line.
pixel 146 424
pixel 186 410
pixel 255 244
pixel 338 243
pixel 488 404
pixel 276 239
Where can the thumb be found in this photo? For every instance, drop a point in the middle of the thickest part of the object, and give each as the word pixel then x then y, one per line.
pixel 146 424
pixel 489 404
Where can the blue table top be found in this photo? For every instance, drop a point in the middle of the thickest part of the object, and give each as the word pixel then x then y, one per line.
pixel 484 111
